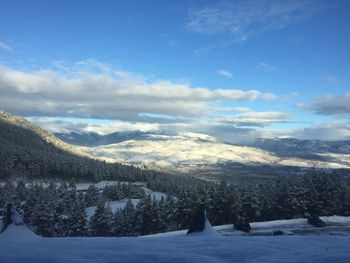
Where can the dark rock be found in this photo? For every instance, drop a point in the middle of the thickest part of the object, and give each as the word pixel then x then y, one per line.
pixel 197 221
pixel 7 218
pixel 242 226
pixel 277 233
pixel 316 221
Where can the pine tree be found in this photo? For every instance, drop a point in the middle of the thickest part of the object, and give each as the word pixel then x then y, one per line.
pixel 77 220
pixel 183 211
pixel 284 207
pixel 124 221
pixel 102 221
pixel 249 205
pixel 148 216
pixel 43 220
pixel 167 214
pixel 92 196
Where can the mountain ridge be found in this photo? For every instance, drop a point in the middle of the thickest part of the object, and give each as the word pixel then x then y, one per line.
pixel 195 152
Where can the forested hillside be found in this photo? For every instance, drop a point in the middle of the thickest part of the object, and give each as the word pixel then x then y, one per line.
pixel 27 151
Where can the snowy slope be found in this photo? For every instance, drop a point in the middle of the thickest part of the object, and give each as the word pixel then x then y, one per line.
pixel 185 151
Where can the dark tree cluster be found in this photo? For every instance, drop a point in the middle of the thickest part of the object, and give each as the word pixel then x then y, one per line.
pixel 60 210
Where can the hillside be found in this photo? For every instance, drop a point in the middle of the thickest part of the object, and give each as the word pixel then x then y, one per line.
pixel 28 151
pixel 200 153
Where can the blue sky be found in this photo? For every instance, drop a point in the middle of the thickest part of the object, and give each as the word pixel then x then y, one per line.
pixel 233 69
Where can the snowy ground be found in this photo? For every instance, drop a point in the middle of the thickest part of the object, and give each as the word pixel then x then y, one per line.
pixel 336 225
pixel 115 205
pixel 21 246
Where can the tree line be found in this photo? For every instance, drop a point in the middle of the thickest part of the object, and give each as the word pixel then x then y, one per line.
pixel 60 210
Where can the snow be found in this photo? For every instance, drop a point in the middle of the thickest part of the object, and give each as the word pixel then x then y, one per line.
pixel 115 205
pixel 209 231
pixel 177 249
pixel 336 225
pixel 190 149
pixel 156 195
pixel 17 232
pixel 336 220
pixel 19 244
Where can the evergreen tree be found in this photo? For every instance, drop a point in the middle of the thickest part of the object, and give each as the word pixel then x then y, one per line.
pixel 77 220
pixel 92 196
pixel 284 207
pixel 43 220
pixel 124 220
pixel 148 216
pixel 102 221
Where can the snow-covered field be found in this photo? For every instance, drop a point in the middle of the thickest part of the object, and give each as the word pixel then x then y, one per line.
pixel 20 245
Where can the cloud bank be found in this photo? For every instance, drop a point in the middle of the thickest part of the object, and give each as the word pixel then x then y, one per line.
pixel 66 97
pixel 110 94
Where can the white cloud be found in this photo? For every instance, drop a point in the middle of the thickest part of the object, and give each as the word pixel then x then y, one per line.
pixel 5 47
pixel 224 73
pixel 99 91
pixel 231 109
pixel 59 125
pixel 257 119
pixel 328 131
pixel 243 19
pixel 333 80
pixel 267 67
pixel 331 104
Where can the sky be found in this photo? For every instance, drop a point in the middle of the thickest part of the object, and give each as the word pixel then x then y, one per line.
pixel 237 70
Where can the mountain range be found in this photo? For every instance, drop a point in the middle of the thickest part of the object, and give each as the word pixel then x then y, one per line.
pixel 26 149
pixel 196 153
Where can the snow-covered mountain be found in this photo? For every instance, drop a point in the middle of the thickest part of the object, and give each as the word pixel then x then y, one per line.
pixel 190 152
